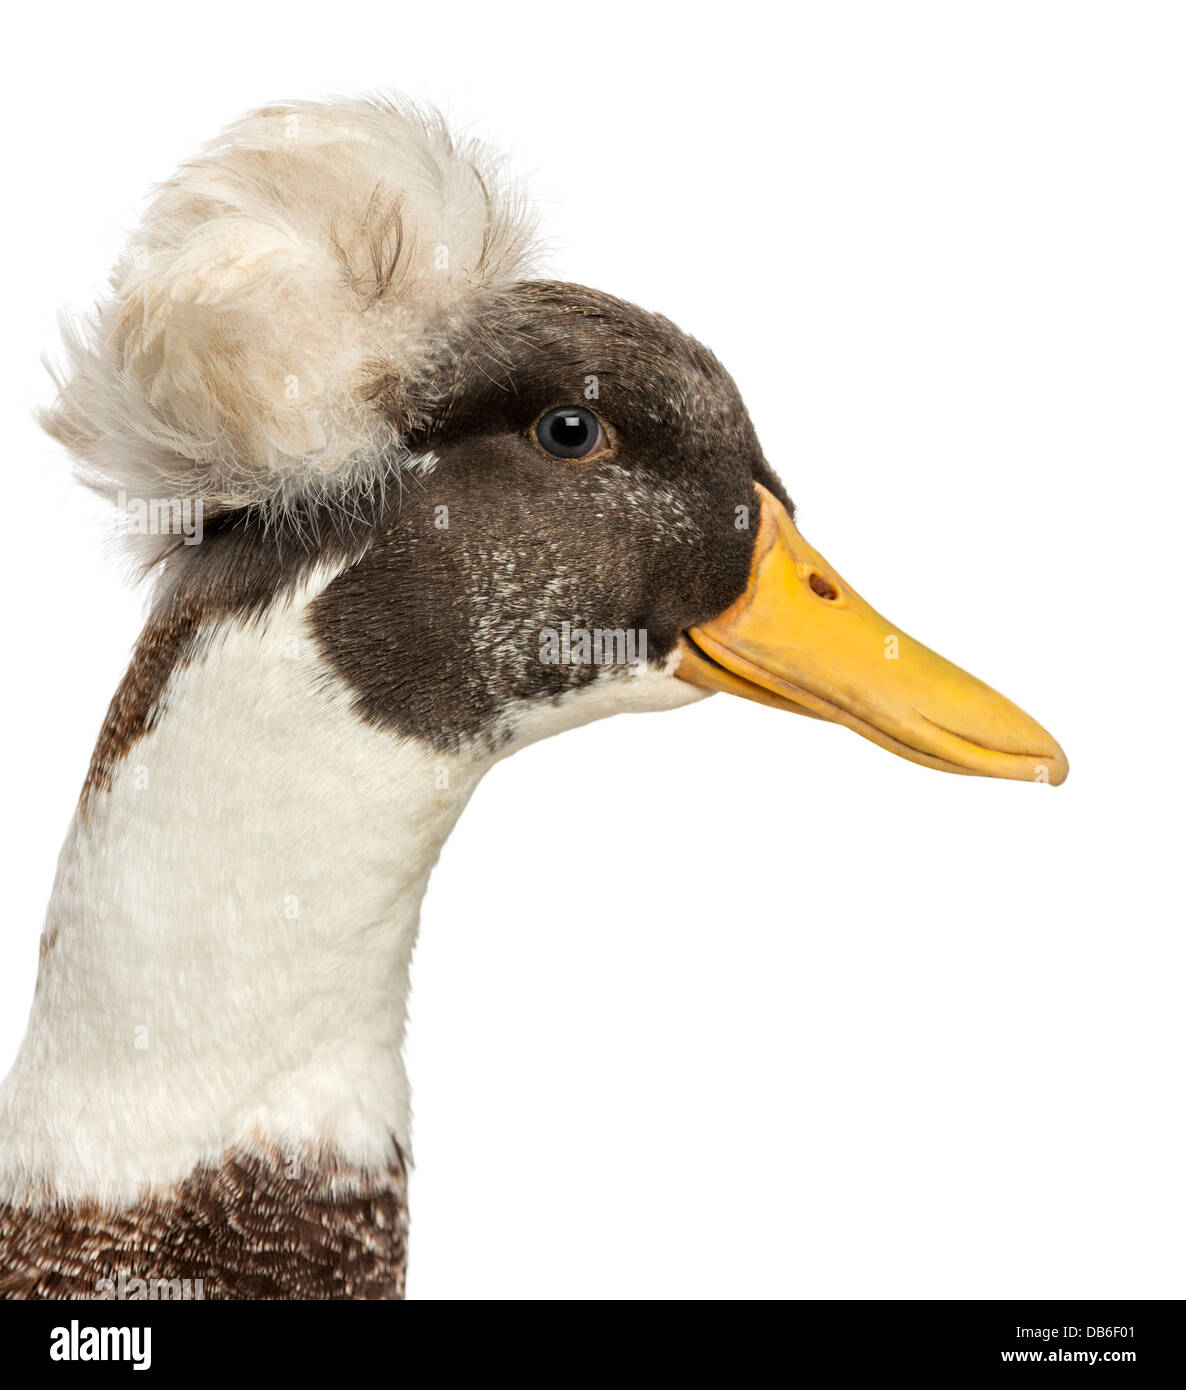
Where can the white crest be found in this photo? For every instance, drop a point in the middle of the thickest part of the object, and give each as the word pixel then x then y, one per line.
pixel 284 296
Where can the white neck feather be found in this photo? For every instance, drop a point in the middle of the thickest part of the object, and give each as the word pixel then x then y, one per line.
pixel 228 941
pixel 227 946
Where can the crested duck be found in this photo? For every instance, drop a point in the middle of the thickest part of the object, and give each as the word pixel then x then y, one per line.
pixel 407 507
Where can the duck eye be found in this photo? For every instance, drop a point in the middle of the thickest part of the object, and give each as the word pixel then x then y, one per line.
pixel 570 432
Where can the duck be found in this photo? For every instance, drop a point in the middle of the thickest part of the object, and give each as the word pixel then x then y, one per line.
pixel 403 506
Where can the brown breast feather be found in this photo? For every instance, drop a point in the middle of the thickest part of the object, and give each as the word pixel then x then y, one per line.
pixel 259 1225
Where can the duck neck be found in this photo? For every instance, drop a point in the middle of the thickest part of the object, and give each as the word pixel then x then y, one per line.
pixel 226 954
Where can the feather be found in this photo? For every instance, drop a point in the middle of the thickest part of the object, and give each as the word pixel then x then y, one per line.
pixel 285 287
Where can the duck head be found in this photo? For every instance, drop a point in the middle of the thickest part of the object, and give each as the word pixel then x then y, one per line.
pixel 542 503
pixel 599 508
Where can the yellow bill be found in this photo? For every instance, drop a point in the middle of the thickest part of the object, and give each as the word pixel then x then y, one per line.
pixel 800 639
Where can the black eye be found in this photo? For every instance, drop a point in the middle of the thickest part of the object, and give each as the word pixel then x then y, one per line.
pixel 570 432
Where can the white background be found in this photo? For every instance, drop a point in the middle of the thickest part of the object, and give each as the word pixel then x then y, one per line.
pixel 724 1002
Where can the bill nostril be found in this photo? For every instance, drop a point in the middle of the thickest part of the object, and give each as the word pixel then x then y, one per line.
pixel 823 587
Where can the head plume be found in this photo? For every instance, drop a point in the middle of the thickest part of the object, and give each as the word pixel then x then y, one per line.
pixel 273 322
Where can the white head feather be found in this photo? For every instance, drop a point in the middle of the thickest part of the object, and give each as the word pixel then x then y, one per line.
pixel 304 269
